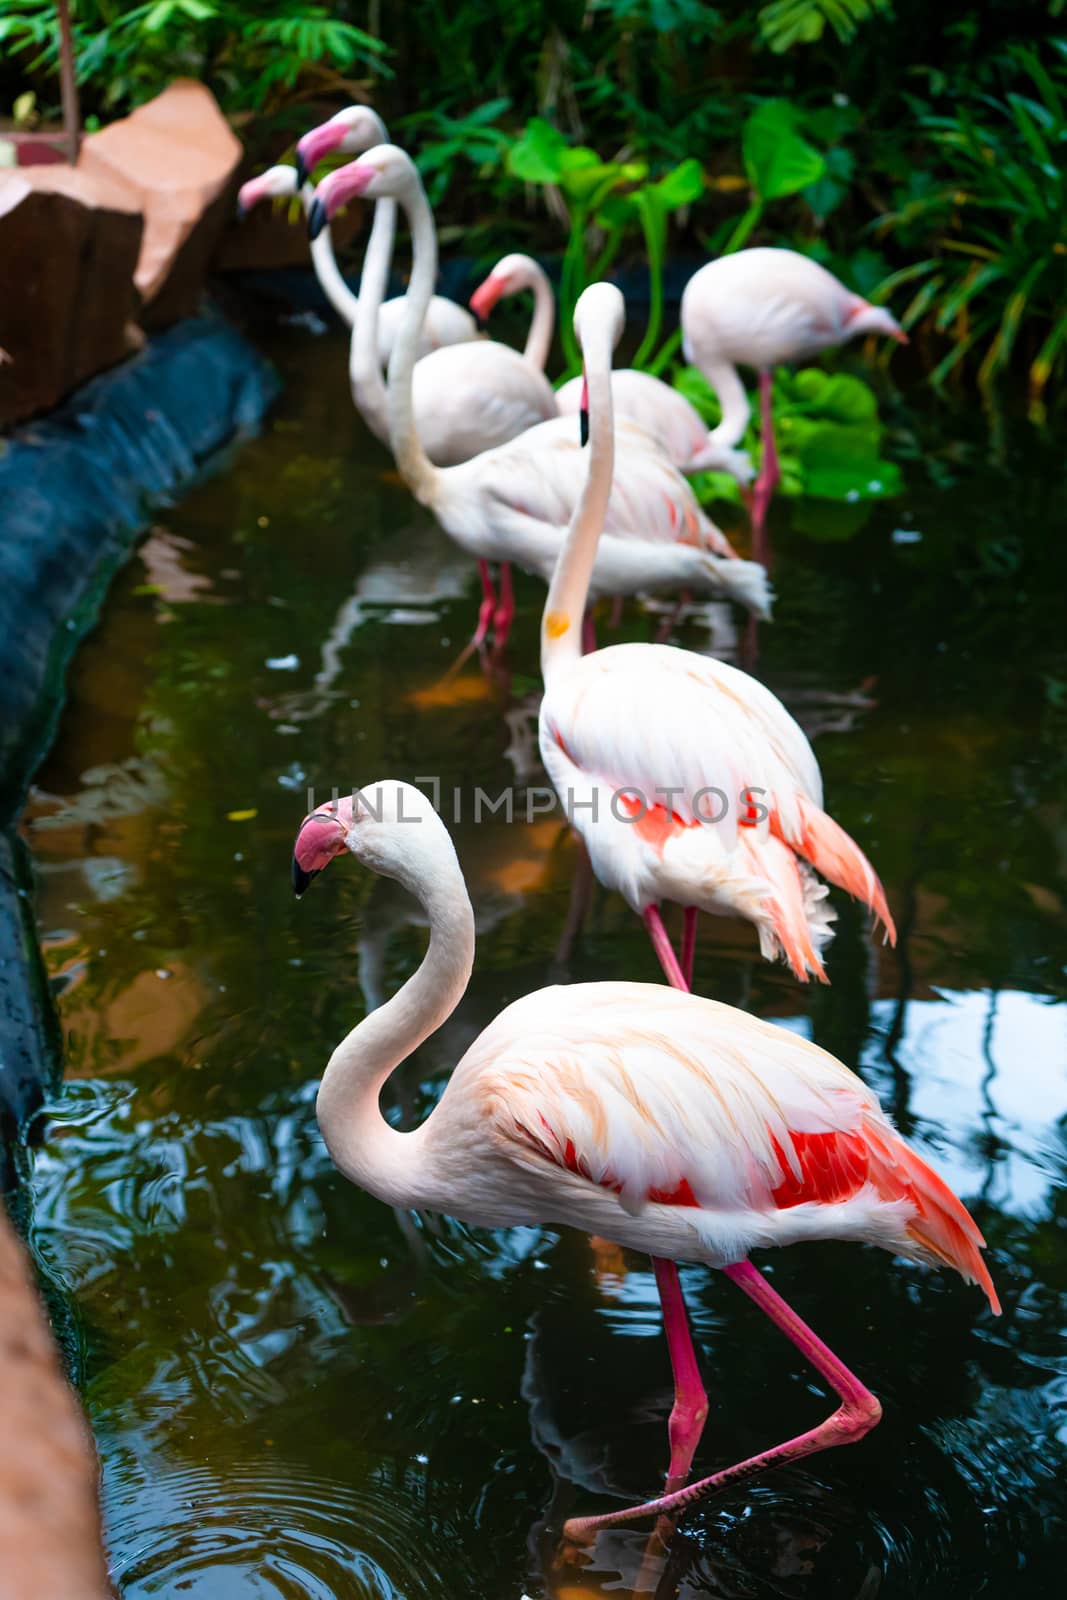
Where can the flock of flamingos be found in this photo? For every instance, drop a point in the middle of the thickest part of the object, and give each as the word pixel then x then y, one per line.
pixel 642 1113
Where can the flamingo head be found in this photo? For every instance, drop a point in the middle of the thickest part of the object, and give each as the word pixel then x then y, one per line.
pixel 385 172
pixel 390 827
pixel 510 275
pixel 274 184
pixel 599 316
pixel 865 318
pixel 350 132
pixel 323 834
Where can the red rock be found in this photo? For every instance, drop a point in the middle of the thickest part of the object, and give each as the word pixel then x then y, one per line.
pixel 50 1543
pixel 69 244
pixel 177 159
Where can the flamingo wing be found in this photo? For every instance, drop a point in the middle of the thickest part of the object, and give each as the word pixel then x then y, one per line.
pixel 543 474
pixel 669 1099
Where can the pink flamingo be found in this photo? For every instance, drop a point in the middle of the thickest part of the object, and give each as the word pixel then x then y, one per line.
pixel 512 504
pixel 446 323
pixel 655 1118
pixel 686 778
pixel 654 405
pixel 761 308
pixel 467 397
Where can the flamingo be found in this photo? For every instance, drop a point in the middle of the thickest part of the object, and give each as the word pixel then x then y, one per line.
pixel 652 1117
pixel 445 324
pixel 656 406
pixel 654 751
pixel 466 399
pixel 513 503
pixel 760 308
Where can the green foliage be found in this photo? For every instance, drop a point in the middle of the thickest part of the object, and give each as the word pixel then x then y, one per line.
pixel 989 221
pixel 785 23
pixel 253 55
pixel 441 141
pixel 605 201
pixel 829 439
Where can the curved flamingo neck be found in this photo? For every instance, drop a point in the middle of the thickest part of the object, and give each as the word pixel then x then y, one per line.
pixel 331 279
pixel 561 623
pixel 543 322
pixel 361 1143
pixel 364 365
pixel 414 465
pixel 730 392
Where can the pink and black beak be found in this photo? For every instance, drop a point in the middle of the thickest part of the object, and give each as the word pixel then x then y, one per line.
pixel 335 190
pixel 322 836
pixel 583 413
pixel 314 146
pixel 248 195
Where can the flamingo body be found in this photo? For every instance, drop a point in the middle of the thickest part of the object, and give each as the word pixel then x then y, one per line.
pixel 654 744
pixel 514 504
pixel 684 1128
pixel 471 398
pixel 668 416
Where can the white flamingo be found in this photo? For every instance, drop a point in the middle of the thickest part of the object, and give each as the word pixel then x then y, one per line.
pixel 654 1118
pixel 657 406
pixel 513 503
pixel 761 308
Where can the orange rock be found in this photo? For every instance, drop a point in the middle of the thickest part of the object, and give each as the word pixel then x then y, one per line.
pixel 176 157
pixel 50 1541
pixel 69 244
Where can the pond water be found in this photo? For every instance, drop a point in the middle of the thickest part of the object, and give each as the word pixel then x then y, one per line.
pixel 298 1393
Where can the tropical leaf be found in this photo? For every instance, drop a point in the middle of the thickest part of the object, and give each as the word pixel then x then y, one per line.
pixel 779 161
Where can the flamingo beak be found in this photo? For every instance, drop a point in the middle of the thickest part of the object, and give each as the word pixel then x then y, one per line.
pixel 485 298
pixel 301 879
pixel 583 413
pixel 335 190
pixel 322 836
pixel 318 217
pixel 315 144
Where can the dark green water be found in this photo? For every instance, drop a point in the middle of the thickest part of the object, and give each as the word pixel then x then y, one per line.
pixel 298 1393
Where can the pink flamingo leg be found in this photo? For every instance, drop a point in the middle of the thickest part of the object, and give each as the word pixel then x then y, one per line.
pixel 485 610
pixel 505 611
pixel 663 948
pixel 689 944
pixel 769 473
pixel 857 1414
pixel 690 1409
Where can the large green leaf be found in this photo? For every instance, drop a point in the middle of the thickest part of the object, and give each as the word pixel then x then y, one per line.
pixel 679 187
pixel 778 160
pixel 537 155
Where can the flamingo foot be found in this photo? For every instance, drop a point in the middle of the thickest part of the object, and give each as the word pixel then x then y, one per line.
pixel 857 1414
